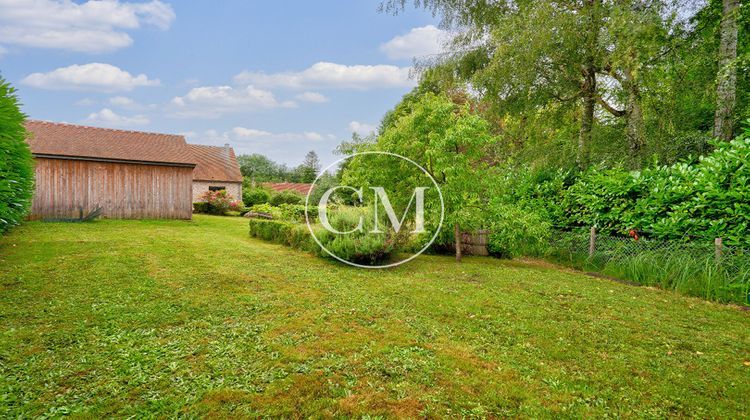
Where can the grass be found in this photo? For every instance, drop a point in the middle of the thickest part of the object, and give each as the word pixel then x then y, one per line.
pixel 173 318
pixel 689 268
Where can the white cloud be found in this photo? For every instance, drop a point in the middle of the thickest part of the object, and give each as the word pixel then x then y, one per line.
pixel 121 101
pixel 108 117
pixel 332 75
pixel 311 135
pixel 314 97
pixel 214 101
pixel 362 128
pixel 125 102
pixel 252 137
pixel 89 77
pixel 92 26
pixel 249 132
pixel 85 102
pixel 419 42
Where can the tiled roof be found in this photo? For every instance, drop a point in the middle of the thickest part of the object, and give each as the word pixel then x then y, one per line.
pixel 70 140
pixel 288 186
pixel 215 164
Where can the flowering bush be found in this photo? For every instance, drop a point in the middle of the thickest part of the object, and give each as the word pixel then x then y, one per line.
pixel 219 202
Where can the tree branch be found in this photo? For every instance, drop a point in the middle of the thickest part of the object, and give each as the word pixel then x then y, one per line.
pixel 612 110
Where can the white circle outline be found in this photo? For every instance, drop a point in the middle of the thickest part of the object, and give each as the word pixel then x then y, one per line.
pixel 440 225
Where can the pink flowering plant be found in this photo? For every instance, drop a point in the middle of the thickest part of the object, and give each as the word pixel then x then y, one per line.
pixel 220 202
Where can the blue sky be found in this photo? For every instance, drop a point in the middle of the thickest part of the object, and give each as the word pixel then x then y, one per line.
pixel 278 78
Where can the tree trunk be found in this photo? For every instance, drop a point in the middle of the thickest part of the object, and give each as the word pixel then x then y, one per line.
pixel 588 85
pixel 726 79
pixel 457 234
pixel 588 92
pixel 635 125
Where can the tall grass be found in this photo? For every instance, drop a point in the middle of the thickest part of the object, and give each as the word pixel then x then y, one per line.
pixel 688 269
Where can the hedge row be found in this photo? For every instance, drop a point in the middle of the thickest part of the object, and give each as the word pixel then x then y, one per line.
pixel 295 235
pixel 16 163
pixel 361 248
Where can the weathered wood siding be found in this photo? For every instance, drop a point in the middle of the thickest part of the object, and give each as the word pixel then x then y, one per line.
pixel 122 190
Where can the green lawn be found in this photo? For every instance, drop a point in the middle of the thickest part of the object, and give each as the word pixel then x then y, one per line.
pixel 173 318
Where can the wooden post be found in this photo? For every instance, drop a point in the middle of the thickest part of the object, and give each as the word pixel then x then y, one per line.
pixel 718 248
pixel 457 234
pixel 592 242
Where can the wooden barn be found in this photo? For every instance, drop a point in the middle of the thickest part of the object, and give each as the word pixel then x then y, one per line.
pixel 128 174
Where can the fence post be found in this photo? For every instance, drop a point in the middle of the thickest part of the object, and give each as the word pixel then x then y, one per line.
pixel 718 248
pixel 592 241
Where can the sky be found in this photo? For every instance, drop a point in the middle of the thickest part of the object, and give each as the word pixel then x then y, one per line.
pixel 278 78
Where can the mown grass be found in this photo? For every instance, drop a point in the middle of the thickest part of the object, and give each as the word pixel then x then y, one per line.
pixel 172 318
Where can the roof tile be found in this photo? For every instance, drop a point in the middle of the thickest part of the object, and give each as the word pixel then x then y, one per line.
pixel 215 164
pixel 70 140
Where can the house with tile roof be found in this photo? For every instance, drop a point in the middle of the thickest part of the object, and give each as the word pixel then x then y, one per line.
pixel 125 174
pixel 216 169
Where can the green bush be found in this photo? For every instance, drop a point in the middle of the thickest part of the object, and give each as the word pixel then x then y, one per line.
pixel 16 162
pixel 358 247
pixel 517 231
pixel 253 196
pixel 200 207
pixel 362 246
pixel 704 200
pixel 286 197
pixel 295 235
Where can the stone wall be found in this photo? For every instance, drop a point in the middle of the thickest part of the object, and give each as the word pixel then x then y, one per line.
pixel 233 188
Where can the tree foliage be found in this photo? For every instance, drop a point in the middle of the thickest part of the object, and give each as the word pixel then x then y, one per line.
pixel 593 81
pixel 448 140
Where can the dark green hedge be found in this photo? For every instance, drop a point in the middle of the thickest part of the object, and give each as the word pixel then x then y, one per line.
pixel 286 197
pixel 295 235
pixel 16 162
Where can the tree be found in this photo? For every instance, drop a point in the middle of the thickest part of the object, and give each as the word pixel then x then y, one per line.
pixel 16 162
pixel 449 142
pixel 308 170
pixel 559 62
pixel 726 79
pixel 259 168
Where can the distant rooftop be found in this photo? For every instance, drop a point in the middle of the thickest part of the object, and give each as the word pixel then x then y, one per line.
pixel 288 186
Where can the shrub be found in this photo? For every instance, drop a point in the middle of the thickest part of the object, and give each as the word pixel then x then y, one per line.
pixel 703 200
pixel 358 247
pixel 253 196
pixel 16 162
pixel 295 235
pixel 361 247
pixel 286 197
pixel 218 203
pixel 517 231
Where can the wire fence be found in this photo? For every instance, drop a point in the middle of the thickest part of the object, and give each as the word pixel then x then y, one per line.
pixel 707 269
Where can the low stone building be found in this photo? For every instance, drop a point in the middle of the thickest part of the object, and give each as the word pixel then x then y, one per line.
pixel 216 169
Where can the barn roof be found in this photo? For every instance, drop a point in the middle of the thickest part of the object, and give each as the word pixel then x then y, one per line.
pixel 215 164
pixel 94 143
pixel 288 186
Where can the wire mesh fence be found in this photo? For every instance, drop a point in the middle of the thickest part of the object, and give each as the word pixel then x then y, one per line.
pixel 700 268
